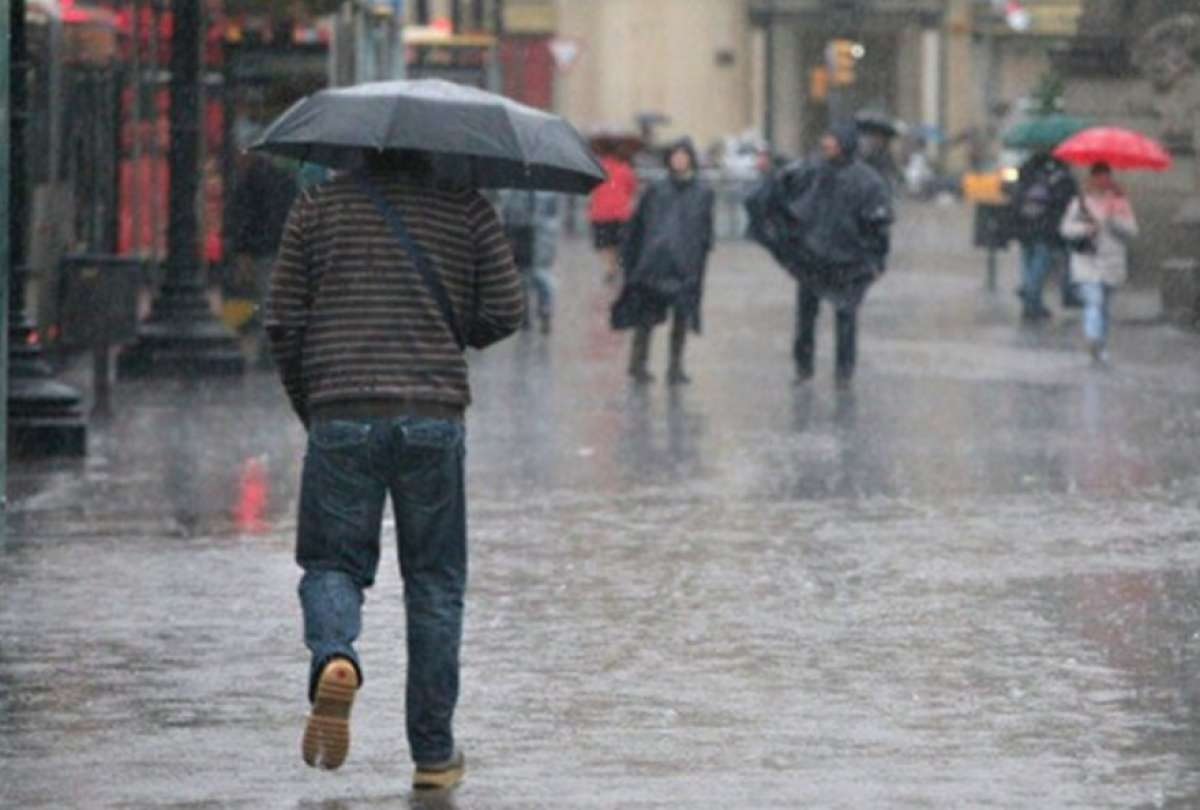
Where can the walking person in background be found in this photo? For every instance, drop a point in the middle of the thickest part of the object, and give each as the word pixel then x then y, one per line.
pixel 532 223
pixel 1044 189
pixel 844 213
pixel 610 210
pixel 665 254
pixel 1097 227
pixel 383 279
pixel 261 199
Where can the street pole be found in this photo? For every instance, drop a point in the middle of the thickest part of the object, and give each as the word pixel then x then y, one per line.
pixel 45 416
pixel 495 67
pixel 769 69
pixel 399 57
pixel 182 336
pixel 5 267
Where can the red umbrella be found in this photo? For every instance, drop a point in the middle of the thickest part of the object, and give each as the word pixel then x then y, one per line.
pixel 1119 148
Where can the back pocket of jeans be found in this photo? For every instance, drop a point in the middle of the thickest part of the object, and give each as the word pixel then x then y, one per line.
pixel 431 455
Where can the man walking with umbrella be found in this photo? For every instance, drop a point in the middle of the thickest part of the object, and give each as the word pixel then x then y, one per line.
pixel 385 275
pixel 1044 189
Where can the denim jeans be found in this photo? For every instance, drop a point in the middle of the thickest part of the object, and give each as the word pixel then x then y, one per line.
pixel 808 306
pixel 1037 261
pixel 349 470
pixel 540 283
pixel 1096 297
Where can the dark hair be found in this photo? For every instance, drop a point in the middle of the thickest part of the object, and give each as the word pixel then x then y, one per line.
pixel 397 161
pixel 1101 167
pixel 687 146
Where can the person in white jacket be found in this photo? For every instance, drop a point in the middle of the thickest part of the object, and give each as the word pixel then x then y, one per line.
pixel 1097 226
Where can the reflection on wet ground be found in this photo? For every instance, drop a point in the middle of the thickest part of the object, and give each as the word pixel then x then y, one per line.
pixel 970 581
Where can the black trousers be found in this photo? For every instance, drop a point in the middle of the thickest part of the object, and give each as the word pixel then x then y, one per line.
pixel 640 355
pixel 808 305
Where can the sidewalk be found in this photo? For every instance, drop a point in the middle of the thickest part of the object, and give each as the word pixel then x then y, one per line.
pixel 969 582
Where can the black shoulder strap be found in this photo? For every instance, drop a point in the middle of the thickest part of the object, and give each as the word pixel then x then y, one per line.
pixel 419 257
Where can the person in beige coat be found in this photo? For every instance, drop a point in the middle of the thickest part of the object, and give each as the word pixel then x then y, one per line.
pixel 1098 225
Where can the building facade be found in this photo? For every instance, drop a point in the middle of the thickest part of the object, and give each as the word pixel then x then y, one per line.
pixel 689 61
pixel 721 67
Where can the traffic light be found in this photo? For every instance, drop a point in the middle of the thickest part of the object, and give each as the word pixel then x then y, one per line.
pixel 842 56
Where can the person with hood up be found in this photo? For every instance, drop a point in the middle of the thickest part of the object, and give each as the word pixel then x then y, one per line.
pixel 827 221
pixel 1097 226
pixel 665 253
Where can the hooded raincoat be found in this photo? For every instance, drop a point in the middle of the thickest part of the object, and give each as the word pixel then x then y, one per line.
pixel 665 252
pixel 826 221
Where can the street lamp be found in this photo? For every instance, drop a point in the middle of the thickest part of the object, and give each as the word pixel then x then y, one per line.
pixel 182 336
pixel 44 416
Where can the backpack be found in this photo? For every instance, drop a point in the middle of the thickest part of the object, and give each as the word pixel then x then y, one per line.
pixel 1033 204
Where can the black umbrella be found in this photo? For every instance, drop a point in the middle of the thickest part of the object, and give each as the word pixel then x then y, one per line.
pixel 877 122
pixel 475 138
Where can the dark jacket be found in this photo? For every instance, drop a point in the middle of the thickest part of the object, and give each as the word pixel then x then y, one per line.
pixel 665 252
pixel 1044 190
pixel 827 222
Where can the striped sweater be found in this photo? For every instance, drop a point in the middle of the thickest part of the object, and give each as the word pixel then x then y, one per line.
pixel 349 317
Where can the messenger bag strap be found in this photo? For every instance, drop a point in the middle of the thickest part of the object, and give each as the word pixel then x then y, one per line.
pixel 424 266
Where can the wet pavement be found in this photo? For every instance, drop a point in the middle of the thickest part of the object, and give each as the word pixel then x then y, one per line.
pixel 971 581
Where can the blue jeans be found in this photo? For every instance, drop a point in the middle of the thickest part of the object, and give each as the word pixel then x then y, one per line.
pixel 1036 263
pixel 349 470
pixel 540 283
pixel 1096 297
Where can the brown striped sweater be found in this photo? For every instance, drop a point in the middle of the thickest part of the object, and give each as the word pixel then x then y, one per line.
pixel 349 317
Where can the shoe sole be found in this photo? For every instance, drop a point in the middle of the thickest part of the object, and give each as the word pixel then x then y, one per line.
pixel 327 734
pixel 439 780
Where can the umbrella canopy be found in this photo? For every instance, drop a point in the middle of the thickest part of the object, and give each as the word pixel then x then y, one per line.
pixel 475 138
pixel 611 140
pixel 877 122
pixel 1043 132
pixel 1119 148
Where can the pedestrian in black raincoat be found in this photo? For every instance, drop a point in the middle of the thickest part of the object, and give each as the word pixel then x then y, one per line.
pixel 664 254
pixel 826 220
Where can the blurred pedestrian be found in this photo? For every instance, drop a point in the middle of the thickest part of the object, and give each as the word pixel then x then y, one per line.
pixel 610 210
pixel 262 197
pixel 383 279
pixel 532 222
pixel 877 153
pixel 1097 227
pixel 876 133
pixel 1044 189
pixel 843 214
pixel 665 254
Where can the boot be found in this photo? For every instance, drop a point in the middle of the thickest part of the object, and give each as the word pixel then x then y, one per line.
pixel 639 355
pixel 676 374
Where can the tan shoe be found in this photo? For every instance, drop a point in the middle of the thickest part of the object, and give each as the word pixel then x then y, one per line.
pixel 327 735
pixel 441 776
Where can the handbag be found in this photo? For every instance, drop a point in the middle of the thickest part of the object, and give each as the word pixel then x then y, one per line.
pixel 1085 245
pixel 419 257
